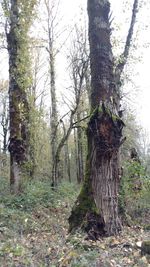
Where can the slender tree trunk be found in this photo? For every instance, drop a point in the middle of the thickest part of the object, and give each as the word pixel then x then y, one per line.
pixel 88 85
pixel 76 155
pixel 33 147
pixel 78 139
pixel 67 161
pixel 53 118
pixel 96 209
pixel 5 133
pixel 5 141
pixel 79 151
pixel 4 123
pixel 66 153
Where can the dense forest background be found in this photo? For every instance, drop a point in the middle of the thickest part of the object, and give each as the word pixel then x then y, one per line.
pixel 47 107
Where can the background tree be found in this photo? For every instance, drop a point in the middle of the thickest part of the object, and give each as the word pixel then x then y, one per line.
pixel 52 32
pixel 37 115
pixel 79 63
pixel 4 119
pixel 19 16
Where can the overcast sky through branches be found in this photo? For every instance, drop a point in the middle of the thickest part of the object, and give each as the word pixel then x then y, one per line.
pixel 137 86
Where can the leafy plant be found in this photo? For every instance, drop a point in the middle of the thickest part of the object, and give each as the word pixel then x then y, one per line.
pixel 134 198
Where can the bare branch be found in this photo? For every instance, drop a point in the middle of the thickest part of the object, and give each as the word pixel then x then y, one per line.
pixel 85 118
pixel 60 121
pixel 125 54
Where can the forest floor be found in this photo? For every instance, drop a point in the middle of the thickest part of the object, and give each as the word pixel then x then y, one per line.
pixel 34 233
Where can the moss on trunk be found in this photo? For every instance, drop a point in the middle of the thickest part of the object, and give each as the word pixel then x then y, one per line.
pixel 86 212
pixel 84 204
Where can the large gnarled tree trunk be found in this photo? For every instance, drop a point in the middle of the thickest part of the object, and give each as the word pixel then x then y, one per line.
pixel 96 209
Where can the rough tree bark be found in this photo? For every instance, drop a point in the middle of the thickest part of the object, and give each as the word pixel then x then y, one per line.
pixel 19 81
pixel 96 209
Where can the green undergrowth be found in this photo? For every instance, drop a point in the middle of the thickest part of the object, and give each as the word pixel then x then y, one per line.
pixel 38 193
pixel 34 228
pixel 134 198
pixel 28 220
pixel 16 212
pixel 34 232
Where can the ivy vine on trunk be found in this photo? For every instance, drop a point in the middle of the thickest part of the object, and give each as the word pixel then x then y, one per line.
pixel 19 15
